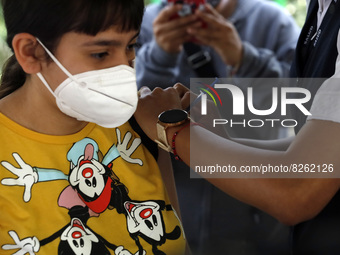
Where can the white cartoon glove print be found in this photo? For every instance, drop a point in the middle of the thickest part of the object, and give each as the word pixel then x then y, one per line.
pixel 121 251
pixel 28 245
pixel 26 176
pixel 125 152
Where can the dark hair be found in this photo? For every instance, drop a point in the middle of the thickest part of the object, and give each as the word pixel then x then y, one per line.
pixel 50 19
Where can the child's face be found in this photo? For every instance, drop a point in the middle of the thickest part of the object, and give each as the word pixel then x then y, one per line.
pixel 79 53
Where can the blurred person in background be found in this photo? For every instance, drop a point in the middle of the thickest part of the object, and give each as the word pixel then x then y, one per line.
pixel 311 205
pixel 245 38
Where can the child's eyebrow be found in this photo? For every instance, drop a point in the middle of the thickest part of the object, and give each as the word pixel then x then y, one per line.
pixel 104 42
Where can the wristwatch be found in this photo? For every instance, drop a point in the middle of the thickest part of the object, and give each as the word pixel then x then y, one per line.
pixel 169 118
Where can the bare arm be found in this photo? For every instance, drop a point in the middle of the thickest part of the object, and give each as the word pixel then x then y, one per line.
pixel 289 200
pixel 277 145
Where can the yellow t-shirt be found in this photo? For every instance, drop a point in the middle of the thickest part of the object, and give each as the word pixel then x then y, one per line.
pixel 98 191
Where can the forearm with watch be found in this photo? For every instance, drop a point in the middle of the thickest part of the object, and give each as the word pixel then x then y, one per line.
pixel 169 124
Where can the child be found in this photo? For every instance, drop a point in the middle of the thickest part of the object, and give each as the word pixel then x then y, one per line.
pixel 75 178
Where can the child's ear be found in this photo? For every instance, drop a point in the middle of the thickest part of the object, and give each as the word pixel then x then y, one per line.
pixel 27 49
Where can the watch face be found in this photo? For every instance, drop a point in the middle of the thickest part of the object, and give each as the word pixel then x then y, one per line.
pixel 173 116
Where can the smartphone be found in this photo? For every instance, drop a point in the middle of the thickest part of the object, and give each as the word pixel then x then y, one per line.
pixel 189 6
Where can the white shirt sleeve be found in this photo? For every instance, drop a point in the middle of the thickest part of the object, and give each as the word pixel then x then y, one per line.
pixel 326 104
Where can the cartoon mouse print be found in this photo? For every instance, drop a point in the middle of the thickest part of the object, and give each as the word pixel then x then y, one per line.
pixel 145 219
pixel 99 188
pixel 76 238
pixel 96 183
pixel 27 175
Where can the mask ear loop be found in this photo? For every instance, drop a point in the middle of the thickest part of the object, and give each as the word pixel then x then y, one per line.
pixel 59 65
pixel 46 84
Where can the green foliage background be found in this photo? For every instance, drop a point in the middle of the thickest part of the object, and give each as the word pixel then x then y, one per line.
pixel 297 8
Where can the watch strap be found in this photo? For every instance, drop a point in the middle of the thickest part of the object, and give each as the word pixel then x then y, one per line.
pixel 162 140
pixel 167 119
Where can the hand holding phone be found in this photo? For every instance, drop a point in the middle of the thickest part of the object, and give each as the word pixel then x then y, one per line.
pixel 171 31
pixel 188 6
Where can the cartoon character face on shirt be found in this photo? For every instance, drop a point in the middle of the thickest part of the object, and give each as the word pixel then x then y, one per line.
pixel 88 174
pixel 79 238
pixel 145 218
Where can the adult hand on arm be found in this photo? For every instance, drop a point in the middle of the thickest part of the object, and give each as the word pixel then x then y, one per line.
pixel 220 34
pixel 290 200
pixel 152 103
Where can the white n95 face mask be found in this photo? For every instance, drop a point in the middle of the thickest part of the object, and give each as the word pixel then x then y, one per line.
pixel 107 97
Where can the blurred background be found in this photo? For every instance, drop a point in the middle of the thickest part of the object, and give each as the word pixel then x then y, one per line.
pixel 297 8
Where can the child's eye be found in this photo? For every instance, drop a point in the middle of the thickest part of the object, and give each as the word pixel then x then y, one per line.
pixel 99 55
